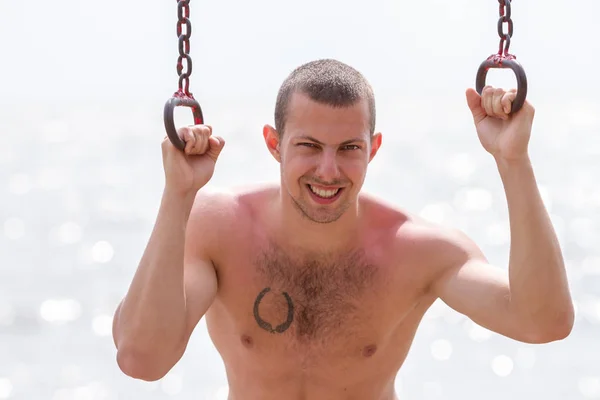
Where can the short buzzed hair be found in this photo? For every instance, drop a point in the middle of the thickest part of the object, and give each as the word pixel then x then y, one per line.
pixel 325 81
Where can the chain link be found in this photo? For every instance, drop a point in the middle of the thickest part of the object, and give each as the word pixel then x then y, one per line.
pixel 183 97
pixel 503 59
pixel 184 32
pixel 505 18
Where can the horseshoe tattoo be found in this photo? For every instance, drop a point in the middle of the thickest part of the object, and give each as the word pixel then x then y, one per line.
pixel 267 326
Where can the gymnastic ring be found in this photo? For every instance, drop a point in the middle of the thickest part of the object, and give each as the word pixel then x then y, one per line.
pixel 180 99
pixel 497 61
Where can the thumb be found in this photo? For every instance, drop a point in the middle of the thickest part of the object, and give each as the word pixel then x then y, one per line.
pixel 474 102
pixel 216 145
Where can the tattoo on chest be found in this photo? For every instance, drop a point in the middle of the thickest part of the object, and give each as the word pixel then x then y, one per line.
pixel 267 326
pixel 312 295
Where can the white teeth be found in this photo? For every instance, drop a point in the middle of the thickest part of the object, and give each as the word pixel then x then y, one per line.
pixel 324 193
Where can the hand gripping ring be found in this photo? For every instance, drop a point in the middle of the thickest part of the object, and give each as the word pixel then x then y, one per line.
pixel 180 99
pixel 496 61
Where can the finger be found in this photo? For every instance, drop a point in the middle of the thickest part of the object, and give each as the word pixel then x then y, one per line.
pixel 497 104
pixel 216 145
pixel 487 96
pixel 206 134
pixel 507 99
pixel 202 133
pixel 186 134
pixel 474 103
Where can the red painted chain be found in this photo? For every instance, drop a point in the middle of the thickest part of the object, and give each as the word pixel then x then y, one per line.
pixel 505 18
pixel 184 32
pixel 182 97
pixel 503 59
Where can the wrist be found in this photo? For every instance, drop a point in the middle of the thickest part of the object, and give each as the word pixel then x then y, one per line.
pixel 516 173
pixel 178 195
pixel 509 163
pixel 182 200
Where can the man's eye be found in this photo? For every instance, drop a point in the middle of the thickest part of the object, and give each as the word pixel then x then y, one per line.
pixel 307 144
pixel 351 147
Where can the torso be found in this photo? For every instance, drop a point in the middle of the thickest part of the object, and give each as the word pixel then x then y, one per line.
pixel 294 325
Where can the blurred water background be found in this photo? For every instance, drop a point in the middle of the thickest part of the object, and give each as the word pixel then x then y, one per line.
pixel 82 86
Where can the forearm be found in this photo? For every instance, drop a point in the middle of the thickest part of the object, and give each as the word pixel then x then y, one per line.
pixel 152 316
pixel 538 283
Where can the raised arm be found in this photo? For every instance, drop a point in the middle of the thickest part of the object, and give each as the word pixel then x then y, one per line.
pixel 531 303
pixel 175 282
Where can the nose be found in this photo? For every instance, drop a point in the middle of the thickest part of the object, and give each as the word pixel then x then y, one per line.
pixel 327 169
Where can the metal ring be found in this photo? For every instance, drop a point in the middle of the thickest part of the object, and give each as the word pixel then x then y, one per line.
pixel 180 101
pixel 500 62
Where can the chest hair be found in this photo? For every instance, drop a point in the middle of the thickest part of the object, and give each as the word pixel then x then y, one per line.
pixel 312 296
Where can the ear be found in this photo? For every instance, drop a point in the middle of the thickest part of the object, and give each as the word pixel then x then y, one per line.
pixel 375 144
pixel 272 141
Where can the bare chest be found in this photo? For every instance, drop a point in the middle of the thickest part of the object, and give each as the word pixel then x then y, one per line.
pixel 312 303
pixel 315 298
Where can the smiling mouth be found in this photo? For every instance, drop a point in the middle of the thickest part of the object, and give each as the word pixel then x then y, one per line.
pixel 326 195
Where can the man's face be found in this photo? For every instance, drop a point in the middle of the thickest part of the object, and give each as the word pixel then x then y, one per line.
pixel 324 154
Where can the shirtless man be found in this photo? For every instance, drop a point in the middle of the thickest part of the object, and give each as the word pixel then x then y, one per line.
pixel 313 290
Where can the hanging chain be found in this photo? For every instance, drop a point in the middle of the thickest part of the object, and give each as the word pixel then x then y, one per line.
pixel 503 59
pixel 184 23
pixel 183 97
pixel 505 18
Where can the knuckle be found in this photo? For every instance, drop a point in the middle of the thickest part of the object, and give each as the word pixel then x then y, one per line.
pixel 200 136
pixel 204 145
pixel 205 131
pixel 184 131
pixel 199 145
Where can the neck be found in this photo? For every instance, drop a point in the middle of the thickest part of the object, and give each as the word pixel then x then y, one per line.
pixel 302 232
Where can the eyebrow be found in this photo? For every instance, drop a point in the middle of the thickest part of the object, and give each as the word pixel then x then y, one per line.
pixel 312 139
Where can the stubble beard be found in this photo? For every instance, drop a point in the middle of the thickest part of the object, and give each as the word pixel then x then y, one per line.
pixel 315 213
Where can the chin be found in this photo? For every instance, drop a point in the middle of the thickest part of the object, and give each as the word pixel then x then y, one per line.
pixel 322 210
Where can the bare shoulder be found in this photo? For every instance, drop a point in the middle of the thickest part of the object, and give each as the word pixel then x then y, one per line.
pixel 383 216
pixel 436 246
pixel 218 212
pixel 445 250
